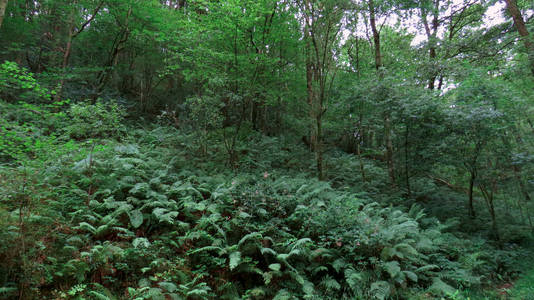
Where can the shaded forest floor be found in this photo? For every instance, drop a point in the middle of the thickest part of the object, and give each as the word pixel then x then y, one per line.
pixel 107 211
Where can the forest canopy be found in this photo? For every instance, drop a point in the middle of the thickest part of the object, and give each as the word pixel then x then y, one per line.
pixel 266 149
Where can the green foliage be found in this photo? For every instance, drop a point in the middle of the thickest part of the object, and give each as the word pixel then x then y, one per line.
pixel 17 84
pixel 522 289
pixel 175 232
pixel 100 120
pixel 424 148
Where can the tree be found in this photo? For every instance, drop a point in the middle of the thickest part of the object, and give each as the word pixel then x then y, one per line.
pixel 443 21
pixel 520 26
pixel 3 6
pixel 74 28
pixel 321 32
pixel 477 126
pixel 373 10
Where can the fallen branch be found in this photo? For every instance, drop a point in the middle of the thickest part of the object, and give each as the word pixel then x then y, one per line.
pixel 448 184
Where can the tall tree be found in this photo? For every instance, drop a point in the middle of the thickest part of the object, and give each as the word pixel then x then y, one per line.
pixel 520 26
pixel 321 32
pixel 380 72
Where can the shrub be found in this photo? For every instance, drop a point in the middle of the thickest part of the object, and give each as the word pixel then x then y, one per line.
pixel 100 120
pixel 17 84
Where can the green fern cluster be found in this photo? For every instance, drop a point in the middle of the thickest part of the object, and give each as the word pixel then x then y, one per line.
pixel 148 218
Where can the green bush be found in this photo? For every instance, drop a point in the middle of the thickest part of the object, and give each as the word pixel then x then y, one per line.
pixel 100 120
pixel 17 84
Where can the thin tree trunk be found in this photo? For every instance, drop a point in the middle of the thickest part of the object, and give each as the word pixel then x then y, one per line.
pixel 376 36
pixel 359 146
pixel 66 56
pixel 309 82
pixel 378 66
pixel 431 33
pixel 406 164
pixel 432 80
pixel 470 194
pixel 319 148
pixel 389 149
pixel 488 196
pixel 440 82
pixel 3 6
pixel 519 23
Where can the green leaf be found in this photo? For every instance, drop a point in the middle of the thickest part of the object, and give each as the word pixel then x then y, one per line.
pixel 268 250
pixel 275 267
pixel 411 275
pixel 136 218
pixel 392 268
pixel 253 235
pixel 235 259
pixel 380 290
pixel 141 243
pixel 168 286
pixel 339 264
pixel 283 295
pixel 99 296
pixel 352 277
pixel 440 288
pixel 307 288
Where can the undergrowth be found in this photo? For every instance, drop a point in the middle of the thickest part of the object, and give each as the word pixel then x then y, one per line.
pixel 105 212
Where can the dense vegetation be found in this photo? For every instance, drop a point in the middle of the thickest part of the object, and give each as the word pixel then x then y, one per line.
pixel 271 149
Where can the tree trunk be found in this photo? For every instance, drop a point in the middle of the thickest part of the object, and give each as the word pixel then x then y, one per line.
pixel 470 194
pixel 432 80
pixel 319 147
pixel 314 98
pixel 360 141
pixel 389 148
pixel 65 62
pixel 376 36
pixel 519 23
pixel 431 33
pixel 3 6
pixel 406 164
pixel 488 196
pixel 309 82
pixel 494 227
pixel 378 66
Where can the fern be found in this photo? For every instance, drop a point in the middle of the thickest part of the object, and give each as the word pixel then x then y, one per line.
pixel 235 259
pixel 380 290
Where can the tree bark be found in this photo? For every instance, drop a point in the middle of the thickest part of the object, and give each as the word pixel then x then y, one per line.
pixel 3 6
pixel 470 194
pixel 519 23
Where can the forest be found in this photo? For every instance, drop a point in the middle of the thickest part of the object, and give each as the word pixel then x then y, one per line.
pixel 267 149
